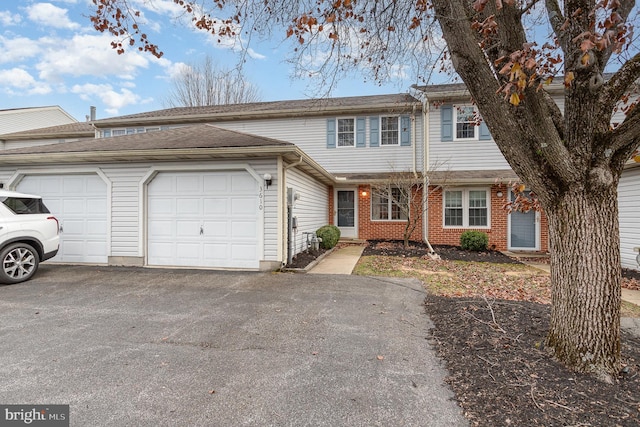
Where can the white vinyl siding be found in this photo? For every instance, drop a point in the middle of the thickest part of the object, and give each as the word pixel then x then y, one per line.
pixel 21 119
pixel 310 135
pixel 629 208
pixel 467 155
pixel 311 209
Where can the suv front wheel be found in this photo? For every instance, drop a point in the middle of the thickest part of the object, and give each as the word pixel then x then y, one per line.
pixel 19 262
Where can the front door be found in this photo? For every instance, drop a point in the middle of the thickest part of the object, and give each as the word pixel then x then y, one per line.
pixel 523 230
pixel 346 213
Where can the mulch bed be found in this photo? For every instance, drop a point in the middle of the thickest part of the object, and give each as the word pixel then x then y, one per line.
pixel 305 258
pixel 502 375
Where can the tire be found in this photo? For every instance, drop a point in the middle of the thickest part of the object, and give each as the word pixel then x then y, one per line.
pixel 19 263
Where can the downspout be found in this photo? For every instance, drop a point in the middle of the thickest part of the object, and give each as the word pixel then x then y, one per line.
pixel 413 137
pixel 425 173
pixel 289 228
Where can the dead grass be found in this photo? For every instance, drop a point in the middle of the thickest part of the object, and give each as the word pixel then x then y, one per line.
pixel 470 279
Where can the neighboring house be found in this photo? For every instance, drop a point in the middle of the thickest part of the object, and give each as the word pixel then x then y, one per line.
pixel 242 186
pixel 20 119
pixel 629 208
pixel 48 135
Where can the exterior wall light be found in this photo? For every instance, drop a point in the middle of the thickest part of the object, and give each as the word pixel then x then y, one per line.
pixel 499 194
pixel 364 194
pixel 267 179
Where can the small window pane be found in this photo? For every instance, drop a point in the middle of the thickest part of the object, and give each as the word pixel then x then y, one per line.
pixel 346 132
pixel 453 208
pixel 389 131
pixel 465 123
pixel 477 208
pixel 379 207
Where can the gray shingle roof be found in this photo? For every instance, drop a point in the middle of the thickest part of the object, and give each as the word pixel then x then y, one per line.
pixel 81 129
pixel 197 136
pixel 291 108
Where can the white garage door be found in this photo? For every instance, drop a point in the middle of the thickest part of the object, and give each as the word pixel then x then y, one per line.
pixel 203 219
pixel 80 204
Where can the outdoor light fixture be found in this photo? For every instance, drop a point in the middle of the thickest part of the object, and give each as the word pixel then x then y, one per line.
pixel 267 179
pixel 499 194
pixel 364 193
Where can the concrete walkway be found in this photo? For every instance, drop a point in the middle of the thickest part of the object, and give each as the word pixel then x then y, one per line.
pixel 340 261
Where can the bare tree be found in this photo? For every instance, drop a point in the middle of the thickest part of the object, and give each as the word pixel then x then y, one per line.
pixel 505 51
pixel 408 194
pixel 204 83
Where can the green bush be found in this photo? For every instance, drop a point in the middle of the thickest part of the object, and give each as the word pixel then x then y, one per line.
pixel 474 241
pixel 330 234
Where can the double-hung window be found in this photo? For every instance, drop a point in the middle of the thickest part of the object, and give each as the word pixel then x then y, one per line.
pixel 389 205
pixel 466 123
pixel 389 130
pixel 467 208
pixel 346 132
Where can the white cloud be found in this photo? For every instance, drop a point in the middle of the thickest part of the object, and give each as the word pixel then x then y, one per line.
pixel 50 15
pixel 112 99
pixel 88 55
pixel 7 18
pixel 18 79
pixel 18 49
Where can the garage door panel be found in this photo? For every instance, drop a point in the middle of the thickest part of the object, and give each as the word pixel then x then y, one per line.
pixel 162 228
pixel 243 229
pixel 96 206
pixel 243 252
pixel 188 184
pixel 223 204
pixel 188 228
pixel 79 201
pixel 188 207
pixel 162 205
pixel 215 184
pixel 217 229
pixel 215 206
pixel 243 206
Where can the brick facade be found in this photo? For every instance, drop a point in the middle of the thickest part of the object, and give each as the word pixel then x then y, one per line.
pixel 438 235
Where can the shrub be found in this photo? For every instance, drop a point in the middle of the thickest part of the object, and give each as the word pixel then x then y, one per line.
pixel 330 234
pixel 474 241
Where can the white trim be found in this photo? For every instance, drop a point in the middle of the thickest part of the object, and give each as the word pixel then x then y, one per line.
pixel 21 173
pixel 398 129
pixel 355 210
pixel 355 132
pixel 476 129
pixel 465 208
pixel 154 170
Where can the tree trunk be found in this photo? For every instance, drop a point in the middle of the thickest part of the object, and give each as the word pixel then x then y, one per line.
pixel 585 277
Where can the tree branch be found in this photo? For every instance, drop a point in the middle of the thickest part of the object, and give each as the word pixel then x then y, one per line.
pixel 625 139
pixel 620 82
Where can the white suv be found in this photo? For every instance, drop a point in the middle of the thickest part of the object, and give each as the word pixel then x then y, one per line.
pixel 29 234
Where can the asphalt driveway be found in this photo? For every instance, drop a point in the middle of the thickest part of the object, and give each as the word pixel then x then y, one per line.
pixel 151 347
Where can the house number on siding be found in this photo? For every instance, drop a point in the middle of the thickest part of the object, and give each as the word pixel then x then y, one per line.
pixel 260 198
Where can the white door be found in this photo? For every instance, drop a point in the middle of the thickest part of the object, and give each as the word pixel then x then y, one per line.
pixel 346 212
pixel 203 219
pixel 79 202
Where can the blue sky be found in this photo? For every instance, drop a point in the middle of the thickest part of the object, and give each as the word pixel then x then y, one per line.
pixel 51 55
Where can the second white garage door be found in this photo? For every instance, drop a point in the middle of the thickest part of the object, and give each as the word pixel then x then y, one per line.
pixel 80 204
pixel 204 219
